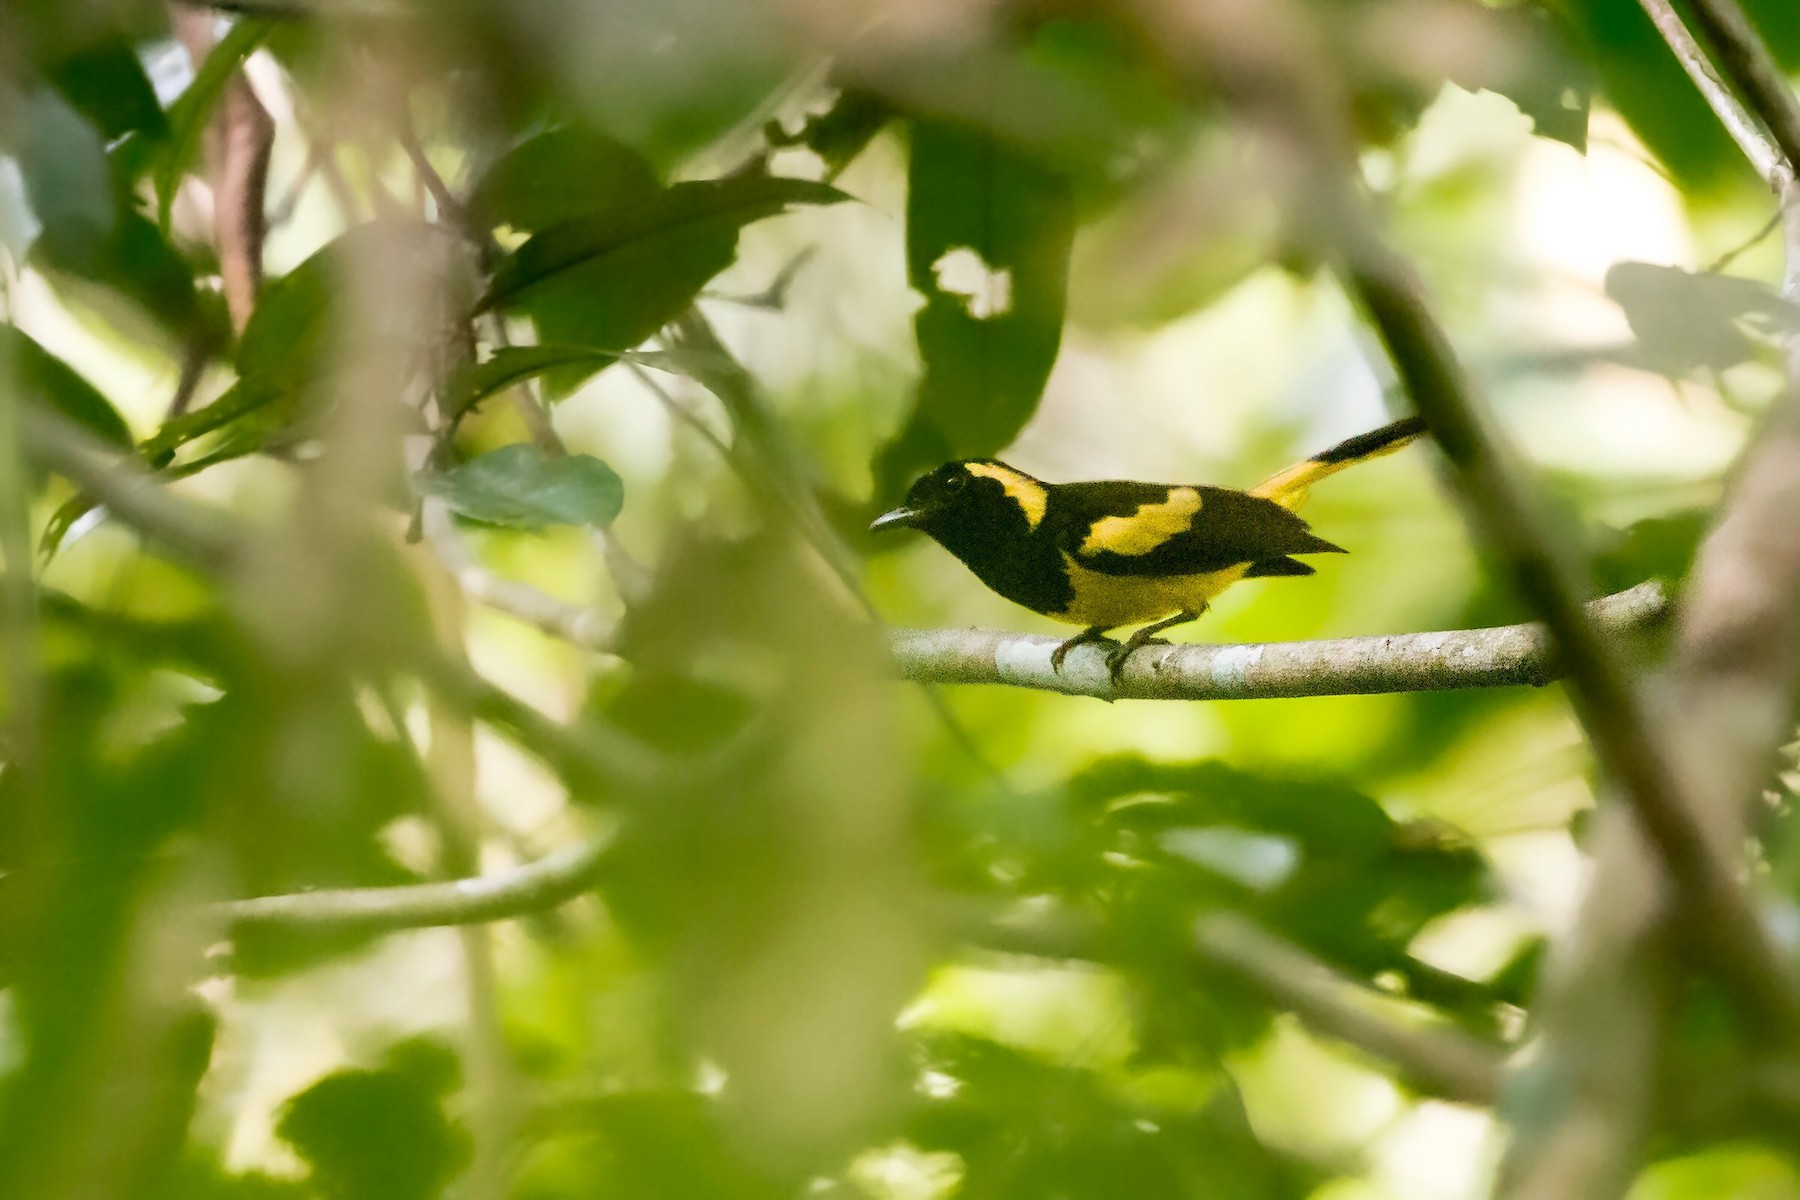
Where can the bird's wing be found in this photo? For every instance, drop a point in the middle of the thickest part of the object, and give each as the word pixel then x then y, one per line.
pixel 1126 528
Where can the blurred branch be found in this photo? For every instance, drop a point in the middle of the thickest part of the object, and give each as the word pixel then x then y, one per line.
pixel 1749 133
pixel 128 490
pixel 537 886
pixel 213 543
pixel 1439 1061
pixel 239 141
pixel 768 462
pixel 1745 58
pixel 1732 677
pixel 1632 748
pixel 578 624
pixel 1468 658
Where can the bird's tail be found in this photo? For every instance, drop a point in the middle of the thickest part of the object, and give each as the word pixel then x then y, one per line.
pixel 1289 488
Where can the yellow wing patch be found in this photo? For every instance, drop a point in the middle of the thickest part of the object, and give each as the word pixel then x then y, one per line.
pixel 1147 528
pixel 1026 492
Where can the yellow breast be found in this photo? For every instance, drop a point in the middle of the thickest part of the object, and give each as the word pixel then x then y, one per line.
pixel 1111 600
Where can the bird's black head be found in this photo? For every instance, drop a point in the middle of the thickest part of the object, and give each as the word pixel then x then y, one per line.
pixel 974 497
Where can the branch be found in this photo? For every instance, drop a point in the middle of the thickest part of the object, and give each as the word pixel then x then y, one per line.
pixel 239 141
pixel 1413 662
pixel 1734 668
pixel 535 887
pixel 1746 59
pixel 128 490
pixel 1632 749
pixel 212 543
pixel 578 624
pixel 1438 1060
pixel 1749 133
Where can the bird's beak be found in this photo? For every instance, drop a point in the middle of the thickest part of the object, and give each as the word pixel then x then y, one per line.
pixel 896 519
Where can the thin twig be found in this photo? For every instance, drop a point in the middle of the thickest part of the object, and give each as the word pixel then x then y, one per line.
pixel 680 411
pixel 1504 656
pixel 1730 256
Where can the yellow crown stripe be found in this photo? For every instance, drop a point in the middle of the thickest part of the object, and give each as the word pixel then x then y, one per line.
pixel 1147 528
pixel 1026 492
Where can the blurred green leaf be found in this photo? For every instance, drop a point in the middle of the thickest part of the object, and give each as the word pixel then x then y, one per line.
pixel 512 365
pixel 1549 81
pixel 67 177
pixel 562 175
pixel 611 280
pixel 137 263
pixel 522 486
pixel 841 132
pixel 1025 1129
pixel 1004 225
pixel 1655 548
pixel 242 398
pixel 1687 320
pixel 373 1135
pixel 662 1143
pixel 1641 79
pixel 51 381
pixel 289 340
pixel 106 82
pixel 192 111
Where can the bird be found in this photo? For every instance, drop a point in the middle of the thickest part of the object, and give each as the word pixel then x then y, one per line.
pixel 1107 554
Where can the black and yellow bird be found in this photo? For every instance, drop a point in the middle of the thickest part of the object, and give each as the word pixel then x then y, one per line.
pixel 1116 552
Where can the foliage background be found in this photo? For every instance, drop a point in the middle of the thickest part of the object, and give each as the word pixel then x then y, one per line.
pixel 850 938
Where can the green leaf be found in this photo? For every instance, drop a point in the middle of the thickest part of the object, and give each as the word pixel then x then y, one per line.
pixel 840 133
pixel 1644 83
pixel 1686 320
pixel 106 82
pixel 67 177
pixel 374 1133
pixel 523 487
pixel 138 263
pixel 193 109
pixel 512 365
pixel 246 396
pixel 49 380
pixel 561 176
pixel 1545 77
pixel 976 204
pixel 286 345
pixel 651 234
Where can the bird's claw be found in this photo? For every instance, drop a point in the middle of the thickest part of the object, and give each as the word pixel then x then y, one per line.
pixel 1117 656
pixel 1087 635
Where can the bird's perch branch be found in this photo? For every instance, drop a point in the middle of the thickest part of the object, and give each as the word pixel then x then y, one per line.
pixel 1503 656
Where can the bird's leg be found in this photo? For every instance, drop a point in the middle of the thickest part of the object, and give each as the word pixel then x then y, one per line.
pixel 1115 658
pixel 1093 633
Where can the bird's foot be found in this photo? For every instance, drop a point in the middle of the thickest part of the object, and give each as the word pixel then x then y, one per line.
pixel 1092 633
pixel 1115 657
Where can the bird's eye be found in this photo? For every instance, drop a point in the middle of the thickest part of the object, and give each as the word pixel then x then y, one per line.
pixel 956 483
